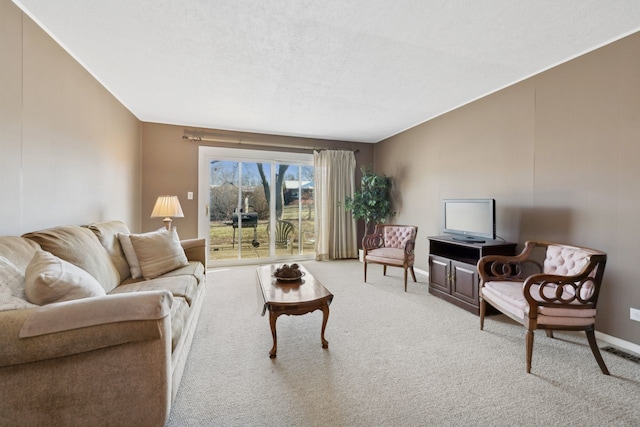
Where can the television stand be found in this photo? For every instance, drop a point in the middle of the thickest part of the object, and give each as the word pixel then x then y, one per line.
pixel 453 275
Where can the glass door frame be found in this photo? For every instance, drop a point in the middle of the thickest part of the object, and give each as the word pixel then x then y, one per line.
pixel 205 155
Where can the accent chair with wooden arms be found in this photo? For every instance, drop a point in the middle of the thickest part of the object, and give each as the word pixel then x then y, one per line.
pixel 559 294
pixel 391 245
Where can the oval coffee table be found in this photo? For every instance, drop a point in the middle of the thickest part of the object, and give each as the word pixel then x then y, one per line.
pixel 292 298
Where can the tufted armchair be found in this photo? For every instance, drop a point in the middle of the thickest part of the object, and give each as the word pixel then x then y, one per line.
pixel 391 245
pixel 559 294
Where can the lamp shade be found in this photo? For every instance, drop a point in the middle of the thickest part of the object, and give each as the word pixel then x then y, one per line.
pixel 166 207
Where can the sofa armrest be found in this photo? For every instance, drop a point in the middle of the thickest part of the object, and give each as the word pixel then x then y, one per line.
pixel 78 326
pixel 195 250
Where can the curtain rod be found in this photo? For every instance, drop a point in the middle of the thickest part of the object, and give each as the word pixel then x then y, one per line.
pixel 200 136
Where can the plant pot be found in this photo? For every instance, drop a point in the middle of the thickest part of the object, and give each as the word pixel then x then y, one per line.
pixel 361 255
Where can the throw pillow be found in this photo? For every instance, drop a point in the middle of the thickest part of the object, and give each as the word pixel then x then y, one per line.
pixel 49 279
pixel 158 252
pixel 80 247
pixel 12 295
pixel 130 255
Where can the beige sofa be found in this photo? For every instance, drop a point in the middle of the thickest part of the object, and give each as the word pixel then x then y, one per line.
pixel 112 359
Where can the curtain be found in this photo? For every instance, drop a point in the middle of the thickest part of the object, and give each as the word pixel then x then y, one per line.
pixel 335 227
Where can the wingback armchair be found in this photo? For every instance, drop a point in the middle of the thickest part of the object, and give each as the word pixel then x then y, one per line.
pixel 391 245
pixel 559 294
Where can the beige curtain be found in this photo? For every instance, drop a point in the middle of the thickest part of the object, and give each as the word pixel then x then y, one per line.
pixel 334 181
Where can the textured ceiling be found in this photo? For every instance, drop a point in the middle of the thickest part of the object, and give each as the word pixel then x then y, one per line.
pixel 355 70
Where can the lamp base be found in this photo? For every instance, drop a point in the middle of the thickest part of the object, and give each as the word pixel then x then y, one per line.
pixel 167 223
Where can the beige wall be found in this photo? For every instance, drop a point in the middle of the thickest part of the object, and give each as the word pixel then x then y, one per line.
pixel 70 152
pixel 170 166
pixel 559 152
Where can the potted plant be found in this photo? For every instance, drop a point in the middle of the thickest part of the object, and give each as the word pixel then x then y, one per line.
pixel 372 202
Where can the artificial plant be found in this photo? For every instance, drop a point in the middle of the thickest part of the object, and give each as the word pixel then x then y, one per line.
pixel 372 202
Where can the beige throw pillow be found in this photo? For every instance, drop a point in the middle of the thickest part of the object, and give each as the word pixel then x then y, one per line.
pixel 130 255
pixel 158 252
pixel 49 279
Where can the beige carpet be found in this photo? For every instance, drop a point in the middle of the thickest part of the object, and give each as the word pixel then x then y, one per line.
pixel 394 359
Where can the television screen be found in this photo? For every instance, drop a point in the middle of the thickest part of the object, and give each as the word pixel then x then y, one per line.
pixel 470 219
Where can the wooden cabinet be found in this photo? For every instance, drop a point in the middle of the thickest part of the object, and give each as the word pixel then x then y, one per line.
pixel 453 275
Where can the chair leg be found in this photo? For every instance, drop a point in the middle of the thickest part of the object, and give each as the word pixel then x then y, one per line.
pixel 365 270
pixel 483 309
pixel 405 280
pixel 529 349
pixel 549 333
pixel 384 270
pixel 413 274
pixel 591 337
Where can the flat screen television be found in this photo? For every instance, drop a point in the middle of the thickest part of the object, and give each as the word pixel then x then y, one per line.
pixel 470 220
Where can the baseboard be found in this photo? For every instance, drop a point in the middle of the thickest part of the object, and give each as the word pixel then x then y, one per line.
pixel 617 342
pixel 420 271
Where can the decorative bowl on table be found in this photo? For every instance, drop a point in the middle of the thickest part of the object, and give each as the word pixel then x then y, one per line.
pixel 288 273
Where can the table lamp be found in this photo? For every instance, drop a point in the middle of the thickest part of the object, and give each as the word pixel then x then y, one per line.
pixel 167 207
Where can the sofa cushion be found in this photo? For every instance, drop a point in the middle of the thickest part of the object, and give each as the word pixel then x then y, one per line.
pixel 49 279
pixel 12 295
pixel 80 247
pixel 107 234
pixel 180 286
pixel 18 250
pixel 194 268
pixel 158 252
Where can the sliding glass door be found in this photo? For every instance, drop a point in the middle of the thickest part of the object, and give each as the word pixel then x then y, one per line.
pixel 256 206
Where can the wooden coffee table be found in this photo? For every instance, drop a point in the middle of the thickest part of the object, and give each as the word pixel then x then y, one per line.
pixel 298 297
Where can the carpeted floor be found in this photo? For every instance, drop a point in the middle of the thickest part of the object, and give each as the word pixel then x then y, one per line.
pixel 394 359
